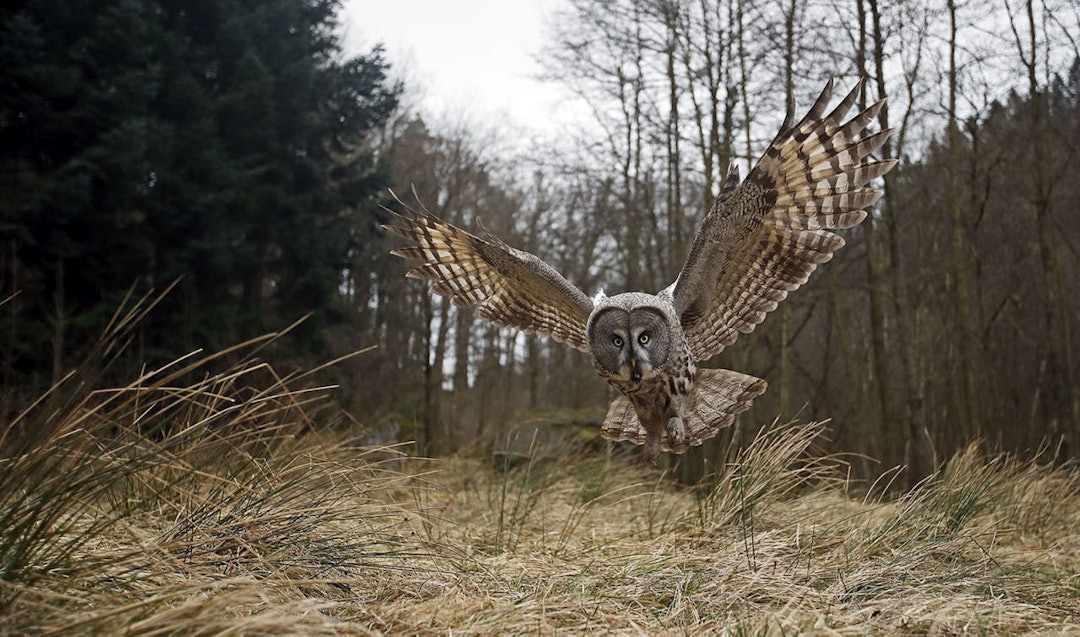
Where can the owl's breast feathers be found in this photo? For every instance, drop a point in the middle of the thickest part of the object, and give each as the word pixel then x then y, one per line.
pixel 643 387
pixel 661 396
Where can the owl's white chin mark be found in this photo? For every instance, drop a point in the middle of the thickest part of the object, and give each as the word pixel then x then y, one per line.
pixel 676 431
pixel 628 374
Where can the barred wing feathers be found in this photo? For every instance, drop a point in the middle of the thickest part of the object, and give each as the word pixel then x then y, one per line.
pixel 512 287
pixel 764 237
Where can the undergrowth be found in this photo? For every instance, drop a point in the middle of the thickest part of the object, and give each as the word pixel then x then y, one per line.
pixel 204 498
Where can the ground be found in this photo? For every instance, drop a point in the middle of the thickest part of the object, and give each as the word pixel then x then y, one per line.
pixel 271 528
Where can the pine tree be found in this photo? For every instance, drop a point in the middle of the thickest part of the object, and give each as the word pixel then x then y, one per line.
pixel 141 141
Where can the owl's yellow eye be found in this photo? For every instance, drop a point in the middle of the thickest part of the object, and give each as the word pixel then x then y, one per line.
pixel 617 341
pixel 643 339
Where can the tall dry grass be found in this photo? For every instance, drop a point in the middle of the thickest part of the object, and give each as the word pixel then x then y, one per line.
pixel 196 498
pixel 205 498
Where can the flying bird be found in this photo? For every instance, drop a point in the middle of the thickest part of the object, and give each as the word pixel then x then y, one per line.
pixel 761 239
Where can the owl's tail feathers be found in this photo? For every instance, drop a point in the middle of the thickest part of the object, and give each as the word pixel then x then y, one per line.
pixel 718 396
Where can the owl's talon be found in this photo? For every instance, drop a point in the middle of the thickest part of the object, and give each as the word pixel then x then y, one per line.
pixel 676 431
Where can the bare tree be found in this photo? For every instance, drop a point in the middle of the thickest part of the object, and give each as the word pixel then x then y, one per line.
pixel 1055 373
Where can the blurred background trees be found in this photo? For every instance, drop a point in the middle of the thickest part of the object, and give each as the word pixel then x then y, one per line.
pixel 233 145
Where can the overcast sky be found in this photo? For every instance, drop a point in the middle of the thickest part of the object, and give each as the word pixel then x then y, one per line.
pixel 471 56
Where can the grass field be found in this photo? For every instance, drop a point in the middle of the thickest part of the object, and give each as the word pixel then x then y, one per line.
pixel 214 507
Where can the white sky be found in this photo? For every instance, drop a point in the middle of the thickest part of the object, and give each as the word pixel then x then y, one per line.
pixel 475 57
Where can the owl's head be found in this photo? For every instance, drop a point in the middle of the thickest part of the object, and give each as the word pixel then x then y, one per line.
pixel 629 337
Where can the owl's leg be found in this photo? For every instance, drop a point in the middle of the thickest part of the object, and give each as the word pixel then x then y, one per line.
pixel 652 446
pixel 676 431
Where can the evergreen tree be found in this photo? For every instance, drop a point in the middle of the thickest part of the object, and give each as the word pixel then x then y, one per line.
pixel 221 141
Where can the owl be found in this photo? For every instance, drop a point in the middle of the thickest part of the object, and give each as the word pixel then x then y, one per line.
pixel 761 239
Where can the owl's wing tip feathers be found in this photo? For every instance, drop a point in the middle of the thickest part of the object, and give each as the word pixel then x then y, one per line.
pixel 511 287
pixel 764 238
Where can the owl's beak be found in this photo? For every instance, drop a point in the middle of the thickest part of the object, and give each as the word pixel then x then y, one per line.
pixel 635 373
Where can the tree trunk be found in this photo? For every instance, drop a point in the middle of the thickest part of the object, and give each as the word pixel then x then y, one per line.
pixel 437 436
pixel 903 412
pixel 59 324
pixel 881 411
pixel 1057 404
pixel 966 407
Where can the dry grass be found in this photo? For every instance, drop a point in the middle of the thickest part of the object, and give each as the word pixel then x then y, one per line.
pixel 279 534
pixel 777 546
pixel 213 508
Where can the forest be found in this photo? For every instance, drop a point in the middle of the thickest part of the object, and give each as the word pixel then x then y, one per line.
pixel 231 153
pixel 226 410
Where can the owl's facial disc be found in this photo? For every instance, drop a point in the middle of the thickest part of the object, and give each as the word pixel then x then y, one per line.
pixel 628 346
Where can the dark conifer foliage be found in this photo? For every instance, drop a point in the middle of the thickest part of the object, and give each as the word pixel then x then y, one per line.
pixel 221 141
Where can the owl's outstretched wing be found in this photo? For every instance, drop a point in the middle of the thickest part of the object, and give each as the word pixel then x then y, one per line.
pixel 764 237
pixel 512 287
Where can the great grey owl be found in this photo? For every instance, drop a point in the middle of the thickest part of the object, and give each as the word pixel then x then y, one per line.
pixel 761 240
